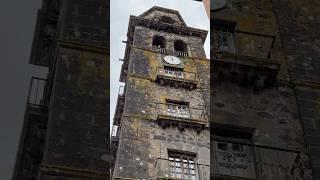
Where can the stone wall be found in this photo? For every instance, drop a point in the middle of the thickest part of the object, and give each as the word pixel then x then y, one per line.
pixel 76 143
pixel 273 113
pixel 143 39
pixel 143 149
pixel 298 24
pixel 143 145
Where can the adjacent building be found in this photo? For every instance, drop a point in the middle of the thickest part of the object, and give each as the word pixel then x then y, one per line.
pixel 66 124
pixel 265 89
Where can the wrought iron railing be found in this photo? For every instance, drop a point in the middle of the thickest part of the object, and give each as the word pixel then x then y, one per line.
pixel 115 132
pixel 244 160
pixel 37 92
pixel 120 104
pixel 181 53
pixel 181 113
pixel 121 91
pixel 179 75
pixel 168 51
pixel 159 49
pixel 163 171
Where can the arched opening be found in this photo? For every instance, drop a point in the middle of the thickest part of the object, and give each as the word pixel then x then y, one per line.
pixel 179 45
pixel 158 42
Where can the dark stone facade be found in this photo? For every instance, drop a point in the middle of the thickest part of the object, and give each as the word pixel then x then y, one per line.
pixel 73 37
pixel 298 24
pixel 276 40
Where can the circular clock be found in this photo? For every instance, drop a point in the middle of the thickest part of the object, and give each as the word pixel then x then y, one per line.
pixel 172 60
pixel 217 4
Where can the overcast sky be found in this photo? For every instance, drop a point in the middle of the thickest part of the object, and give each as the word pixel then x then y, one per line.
pixel 193 13
pixel 16 33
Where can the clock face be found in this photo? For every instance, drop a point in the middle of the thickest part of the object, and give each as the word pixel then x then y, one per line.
pixel 217 4
pixel 172 60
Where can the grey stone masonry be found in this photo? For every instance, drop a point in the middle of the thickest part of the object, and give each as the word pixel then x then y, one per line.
pixel 149 130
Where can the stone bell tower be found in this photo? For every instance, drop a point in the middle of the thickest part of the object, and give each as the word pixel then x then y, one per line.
pixel 161 120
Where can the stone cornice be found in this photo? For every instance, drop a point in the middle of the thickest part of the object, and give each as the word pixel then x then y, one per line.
pixel 183 30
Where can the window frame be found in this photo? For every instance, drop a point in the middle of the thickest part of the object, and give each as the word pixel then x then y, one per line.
pixel 187 165
pixel 185 46
pixel 178 108
pixel 230 146
pixel 226 31
pixel 175 72
pixel 157 37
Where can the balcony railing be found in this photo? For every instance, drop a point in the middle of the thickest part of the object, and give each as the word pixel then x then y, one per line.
pixel 37 92
pixel 181 54
pixel 234 159
pixel 180 113
pixel 120 105
pixel 121 91
pixel 158 49
pixel 243 63
pixel 115 133
pixel 178 78
pixel 162 171
pixel 184 75
pixel 168 51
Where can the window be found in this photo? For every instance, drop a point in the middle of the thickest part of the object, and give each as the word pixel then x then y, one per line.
pixel 171 71
pixel 182 165
pixel 181 46
pixel 158 41
pixel 224 36
pixel 232 154
pixel 232 158
pixel 224 41
pixel 178 109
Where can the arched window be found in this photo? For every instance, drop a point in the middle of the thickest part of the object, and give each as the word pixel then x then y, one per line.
pixel 179 45
pixel 158 42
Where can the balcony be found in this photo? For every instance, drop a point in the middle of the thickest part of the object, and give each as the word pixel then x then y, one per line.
pixel 114 144
pixel 33 135
pixel 120 105
pixel 37 95
pixel 43 45
pixel 181 54
pixel 182 116
pixel 158 49
pixel 164 172
pixel 115 133
pixel 245 73
pixel 249 48
pixel 251 59
pixel 168 51
pixel 233 159
pixel 177 79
